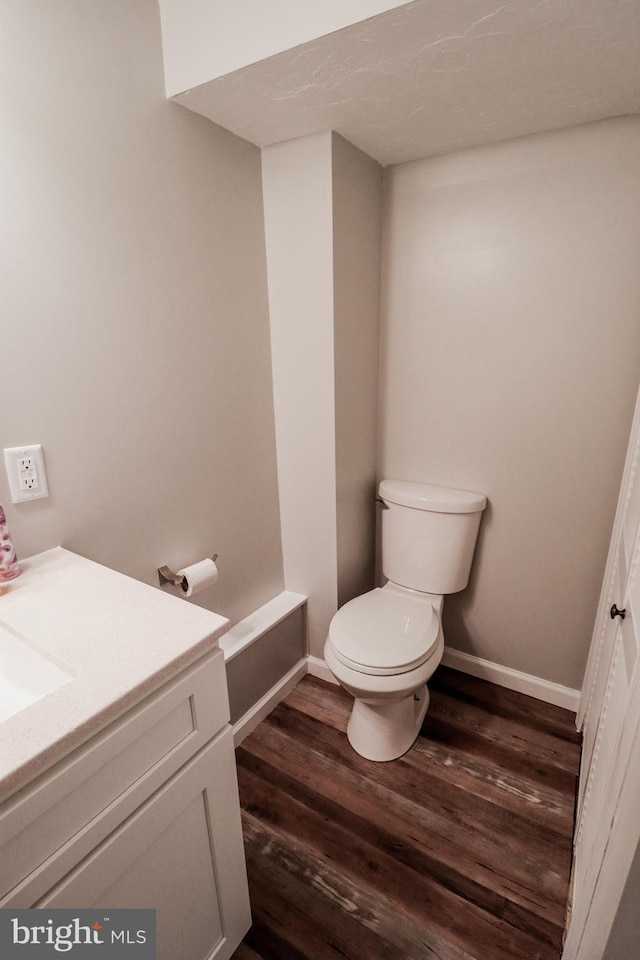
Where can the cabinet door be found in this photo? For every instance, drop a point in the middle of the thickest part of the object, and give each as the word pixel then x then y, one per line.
pixel 52 824
pixel 180 853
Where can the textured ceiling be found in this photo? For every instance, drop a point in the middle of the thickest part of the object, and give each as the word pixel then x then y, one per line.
pixel 439 75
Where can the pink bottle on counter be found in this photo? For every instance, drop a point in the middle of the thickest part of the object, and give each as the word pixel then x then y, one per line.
pixel 9 566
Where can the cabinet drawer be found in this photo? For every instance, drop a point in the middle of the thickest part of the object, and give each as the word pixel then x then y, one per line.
pixel 50 825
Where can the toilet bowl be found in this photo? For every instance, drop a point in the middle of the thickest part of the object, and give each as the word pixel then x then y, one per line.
pixel 382 648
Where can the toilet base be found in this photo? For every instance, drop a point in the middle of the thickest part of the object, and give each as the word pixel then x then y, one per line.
pixel 385 729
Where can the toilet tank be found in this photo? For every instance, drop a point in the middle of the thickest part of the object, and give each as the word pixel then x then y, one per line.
pixel 429 534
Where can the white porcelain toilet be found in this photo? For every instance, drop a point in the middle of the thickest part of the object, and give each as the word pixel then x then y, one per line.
pixel 385 645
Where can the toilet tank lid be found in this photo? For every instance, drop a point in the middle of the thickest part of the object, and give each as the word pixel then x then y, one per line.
pixel 430 496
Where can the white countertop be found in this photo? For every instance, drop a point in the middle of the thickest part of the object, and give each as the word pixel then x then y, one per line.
pixel 119 639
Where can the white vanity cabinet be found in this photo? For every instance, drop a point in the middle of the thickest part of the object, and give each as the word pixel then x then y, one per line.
pixel 144 814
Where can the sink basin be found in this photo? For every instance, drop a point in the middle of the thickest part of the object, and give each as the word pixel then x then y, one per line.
pixel 26 675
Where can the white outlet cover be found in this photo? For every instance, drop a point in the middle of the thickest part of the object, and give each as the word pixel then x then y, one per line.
pixel 11 457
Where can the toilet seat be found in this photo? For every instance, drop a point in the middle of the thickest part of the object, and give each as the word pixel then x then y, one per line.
pixel 385 632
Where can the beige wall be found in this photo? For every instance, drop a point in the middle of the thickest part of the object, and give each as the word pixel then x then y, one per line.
pixel 299 242
pixel 511 358
pixel 135 341
pixel 357 227
pixel 322 222
pixel 254 671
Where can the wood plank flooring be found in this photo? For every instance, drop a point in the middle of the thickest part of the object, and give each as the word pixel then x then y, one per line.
pixel 459 850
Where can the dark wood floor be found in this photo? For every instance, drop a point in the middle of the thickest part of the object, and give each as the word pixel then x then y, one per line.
pixel 460 850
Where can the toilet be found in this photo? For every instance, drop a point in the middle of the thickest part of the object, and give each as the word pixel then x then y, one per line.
pixel 384 646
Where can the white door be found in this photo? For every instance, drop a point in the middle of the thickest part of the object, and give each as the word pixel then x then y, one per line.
pixel 609 716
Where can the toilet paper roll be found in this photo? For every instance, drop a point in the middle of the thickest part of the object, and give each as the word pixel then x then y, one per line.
pixel 198 576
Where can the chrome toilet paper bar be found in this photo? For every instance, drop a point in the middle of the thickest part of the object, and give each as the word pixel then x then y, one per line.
pixel 166 575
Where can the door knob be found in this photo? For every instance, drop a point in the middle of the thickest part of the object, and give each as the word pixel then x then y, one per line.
pixel 614 612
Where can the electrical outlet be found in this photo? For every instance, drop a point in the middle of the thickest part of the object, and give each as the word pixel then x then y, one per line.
pixel 26 473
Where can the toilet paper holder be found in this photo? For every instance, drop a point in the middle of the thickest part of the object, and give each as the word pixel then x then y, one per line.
pixel 166 575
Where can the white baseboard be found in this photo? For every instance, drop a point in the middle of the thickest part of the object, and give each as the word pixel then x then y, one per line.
pixel 475 666
pixel 536 687
pixel 543 690
pixel 318 668
pixel 250 720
